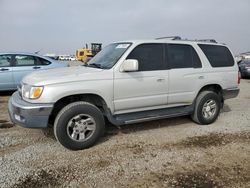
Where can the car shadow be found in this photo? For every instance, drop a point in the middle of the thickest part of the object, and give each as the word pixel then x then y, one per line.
pixel 226 108
pixel 112 130
pixel 6 93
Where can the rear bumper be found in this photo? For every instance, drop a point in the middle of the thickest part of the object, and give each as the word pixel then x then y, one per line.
pixel 230 93
pixel 27 114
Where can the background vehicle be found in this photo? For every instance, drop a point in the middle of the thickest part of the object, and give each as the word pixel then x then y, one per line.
pixel 14 66
pixel 129 82
pixel 244 67
pixel 72 58
pixel 85 54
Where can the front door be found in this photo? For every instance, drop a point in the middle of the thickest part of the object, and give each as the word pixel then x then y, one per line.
pixel 6 75
pixel 148 87
pixel 23 65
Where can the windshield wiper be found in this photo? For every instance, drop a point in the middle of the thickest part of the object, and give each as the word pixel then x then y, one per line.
pixel 96 65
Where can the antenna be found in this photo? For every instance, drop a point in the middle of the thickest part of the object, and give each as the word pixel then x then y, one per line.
pixel 37 52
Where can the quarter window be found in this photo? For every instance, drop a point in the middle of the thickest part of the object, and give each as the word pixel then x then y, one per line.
pixel 44 61
pixel 149 56
pixel 218 56
pixel 5 60
pixel 23 60
pixel 183 56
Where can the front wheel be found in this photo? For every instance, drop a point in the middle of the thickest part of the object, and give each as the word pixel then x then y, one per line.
pixel 207 108
pixel 79 125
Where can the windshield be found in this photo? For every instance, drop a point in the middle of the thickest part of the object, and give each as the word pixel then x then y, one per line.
pixel 108 57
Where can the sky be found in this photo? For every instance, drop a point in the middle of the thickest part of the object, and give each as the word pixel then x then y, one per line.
pixel 62 26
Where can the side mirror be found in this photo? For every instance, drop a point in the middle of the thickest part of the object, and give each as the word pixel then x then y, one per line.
pixel 129 65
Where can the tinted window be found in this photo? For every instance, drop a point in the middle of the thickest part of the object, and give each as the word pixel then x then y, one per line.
pixel 5 60
pixel 218 56
pixel 183 56
pixel 24 60
pixel 44 61
pixel 149 56
pixel 196 59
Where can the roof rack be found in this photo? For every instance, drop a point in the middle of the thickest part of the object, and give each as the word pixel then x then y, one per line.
pixel 207 40
pixel 170 37
pixel 179 38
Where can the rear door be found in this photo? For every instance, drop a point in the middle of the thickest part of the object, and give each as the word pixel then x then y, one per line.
pixel 6 75
pixel 23 65
pixel 184 74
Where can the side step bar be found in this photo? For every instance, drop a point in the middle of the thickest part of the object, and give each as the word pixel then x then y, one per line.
pixel 150 115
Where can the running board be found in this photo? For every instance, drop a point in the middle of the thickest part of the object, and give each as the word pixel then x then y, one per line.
pixel 150 115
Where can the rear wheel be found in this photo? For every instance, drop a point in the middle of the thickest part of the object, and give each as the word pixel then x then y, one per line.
pixel 207 108
pixel 79 125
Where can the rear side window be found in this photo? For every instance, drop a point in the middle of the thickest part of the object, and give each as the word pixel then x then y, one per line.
pixel 183 56
pixel 218 56
pixel 149 56
pixel 24 60
pixel 44 61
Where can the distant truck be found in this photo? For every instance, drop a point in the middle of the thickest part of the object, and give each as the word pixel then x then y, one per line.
pixel 85 54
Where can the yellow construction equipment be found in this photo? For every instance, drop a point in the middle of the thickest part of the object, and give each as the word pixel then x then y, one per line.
pixel 85 54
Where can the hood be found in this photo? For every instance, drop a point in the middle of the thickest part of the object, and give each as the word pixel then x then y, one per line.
pixel 61 75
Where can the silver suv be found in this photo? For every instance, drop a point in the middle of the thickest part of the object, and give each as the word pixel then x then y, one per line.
pixel 128 82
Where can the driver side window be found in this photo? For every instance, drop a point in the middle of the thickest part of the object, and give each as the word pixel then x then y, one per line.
pixel 149 56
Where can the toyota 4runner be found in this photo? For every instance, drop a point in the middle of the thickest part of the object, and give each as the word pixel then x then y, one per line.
pixel 128 82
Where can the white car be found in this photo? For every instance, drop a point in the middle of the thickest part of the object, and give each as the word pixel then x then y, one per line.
pixel 72 58
pixel 128 82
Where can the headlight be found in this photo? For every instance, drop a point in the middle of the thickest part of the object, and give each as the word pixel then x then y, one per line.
pixel 32 92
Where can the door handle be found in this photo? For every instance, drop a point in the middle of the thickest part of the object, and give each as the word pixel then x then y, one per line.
pixel 4 69
pixel 36 67
pixel 160 79
pixel 201 77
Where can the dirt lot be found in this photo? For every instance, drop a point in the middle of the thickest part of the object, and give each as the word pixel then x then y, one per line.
pixel 168 153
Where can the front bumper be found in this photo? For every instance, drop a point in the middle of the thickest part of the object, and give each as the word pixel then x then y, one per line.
pixel 230 93
pixel 28 115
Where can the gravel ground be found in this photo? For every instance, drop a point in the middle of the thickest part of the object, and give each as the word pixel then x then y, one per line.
pixel 167 153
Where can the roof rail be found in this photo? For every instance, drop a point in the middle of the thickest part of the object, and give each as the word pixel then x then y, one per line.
pixel 195 40
pixel 207 40
pixel 170 37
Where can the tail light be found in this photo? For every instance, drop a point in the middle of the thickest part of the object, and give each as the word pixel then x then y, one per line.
pixel 239 77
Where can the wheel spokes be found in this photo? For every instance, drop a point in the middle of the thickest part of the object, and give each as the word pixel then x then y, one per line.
pixel 82 136
pixel 74 135
pixel 81 127
pixel 90 127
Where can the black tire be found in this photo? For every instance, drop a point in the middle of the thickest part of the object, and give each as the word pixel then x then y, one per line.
pixel 65 116
pixel 198 115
